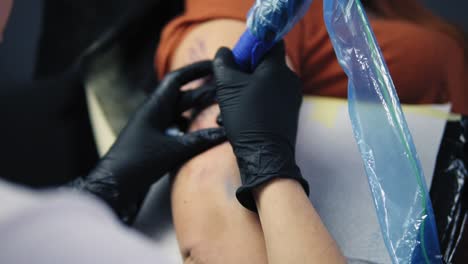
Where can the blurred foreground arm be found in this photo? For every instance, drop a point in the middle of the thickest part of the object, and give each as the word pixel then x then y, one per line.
pixel 65 227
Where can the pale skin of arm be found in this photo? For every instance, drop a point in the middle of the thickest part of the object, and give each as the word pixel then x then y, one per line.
pixel 292 228
pixel 210 224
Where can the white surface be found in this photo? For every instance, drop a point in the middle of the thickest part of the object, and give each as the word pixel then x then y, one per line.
pixel 329 159
pixel 101 128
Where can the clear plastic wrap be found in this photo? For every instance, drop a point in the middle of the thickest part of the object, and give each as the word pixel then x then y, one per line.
pixel 394 172
pixel 270 20
pixel 267 23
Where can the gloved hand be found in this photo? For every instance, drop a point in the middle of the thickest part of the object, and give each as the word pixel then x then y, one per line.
pixel 260 113
pixel 143 153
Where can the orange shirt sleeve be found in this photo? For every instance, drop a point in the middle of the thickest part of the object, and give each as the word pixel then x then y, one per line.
pixel 435 74
pixel 196 12
pixel 427 66
pixel 199 11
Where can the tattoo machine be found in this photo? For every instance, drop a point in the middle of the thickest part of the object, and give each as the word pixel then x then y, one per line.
pixel 267 23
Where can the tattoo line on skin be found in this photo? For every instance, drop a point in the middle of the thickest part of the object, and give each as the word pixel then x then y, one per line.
pixel 197 52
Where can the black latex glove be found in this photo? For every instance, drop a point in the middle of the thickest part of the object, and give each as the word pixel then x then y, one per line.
pixel 143 153
pixel 260 113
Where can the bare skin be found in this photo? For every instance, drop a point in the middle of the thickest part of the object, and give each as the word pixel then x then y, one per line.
pixel 206 213
pixel 292 228
pixel 211 226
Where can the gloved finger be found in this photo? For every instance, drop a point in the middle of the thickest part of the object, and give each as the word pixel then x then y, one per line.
pixel 219 120
pixel 182 123
pixel 199 98
pixel 225 67
pixel 276 57
pixel 162 103
pixel 174 80
pixel 196 143
pixel 202 140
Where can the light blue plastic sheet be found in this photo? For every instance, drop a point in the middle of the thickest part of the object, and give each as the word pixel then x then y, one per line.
pixel 391 162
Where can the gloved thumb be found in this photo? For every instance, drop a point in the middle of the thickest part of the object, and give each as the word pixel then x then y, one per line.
pixel 225 68
pixel 276 57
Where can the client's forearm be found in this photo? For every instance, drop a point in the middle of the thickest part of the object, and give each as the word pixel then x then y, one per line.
pixel 292 228
pixel 210 224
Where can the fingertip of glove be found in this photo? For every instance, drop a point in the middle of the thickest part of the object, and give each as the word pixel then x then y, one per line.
pixel 224 57
pixel 213 134
pixel 223 52
pixel 279 48
pixel 276 56
pixel 205 139
pixel 210 135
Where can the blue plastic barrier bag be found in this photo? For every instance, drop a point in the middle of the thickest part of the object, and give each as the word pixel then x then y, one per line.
pixel 392 165
pixel 394 172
